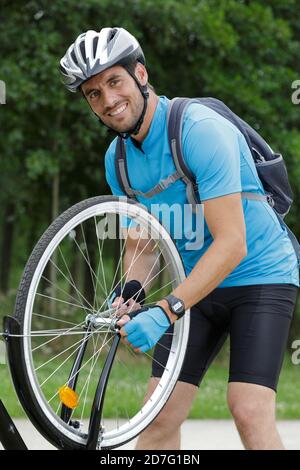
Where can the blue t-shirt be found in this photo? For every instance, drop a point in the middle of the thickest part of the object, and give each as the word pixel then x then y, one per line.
pixel 217 154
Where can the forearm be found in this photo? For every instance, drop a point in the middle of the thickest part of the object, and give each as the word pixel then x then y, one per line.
pixel 142 266
pixel 212 268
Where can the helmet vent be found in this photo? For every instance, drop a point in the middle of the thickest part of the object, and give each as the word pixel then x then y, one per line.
pixel 82 50
pixel 112 34
pixel 73 56
pixel 95 44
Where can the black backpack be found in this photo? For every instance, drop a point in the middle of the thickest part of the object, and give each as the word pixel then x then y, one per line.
pixel 270 166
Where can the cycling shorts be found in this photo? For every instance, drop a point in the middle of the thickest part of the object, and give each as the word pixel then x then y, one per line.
pixel 257 318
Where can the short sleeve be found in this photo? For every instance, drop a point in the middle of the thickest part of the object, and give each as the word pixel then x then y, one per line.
pixel 211 150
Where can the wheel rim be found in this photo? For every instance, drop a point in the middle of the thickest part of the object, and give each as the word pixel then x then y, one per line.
pixel 134 424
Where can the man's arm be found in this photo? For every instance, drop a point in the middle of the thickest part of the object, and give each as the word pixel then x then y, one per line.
pixel 141 260
pixel 225 220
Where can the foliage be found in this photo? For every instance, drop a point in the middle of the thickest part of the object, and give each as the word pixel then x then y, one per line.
pixel 245 53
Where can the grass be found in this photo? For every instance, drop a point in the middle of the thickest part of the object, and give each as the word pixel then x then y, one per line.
pixel 211 399
pixel 210 402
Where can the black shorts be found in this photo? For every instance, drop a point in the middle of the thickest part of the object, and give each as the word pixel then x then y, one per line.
pixel 257 318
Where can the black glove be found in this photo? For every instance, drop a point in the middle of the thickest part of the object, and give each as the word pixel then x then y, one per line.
pixel 131 290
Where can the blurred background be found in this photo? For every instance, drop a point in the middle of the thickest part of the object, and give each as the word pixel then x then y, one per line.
pixel 52 147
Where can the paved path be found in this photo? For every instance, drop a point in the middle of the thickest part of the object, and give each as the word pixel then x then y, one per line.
pixel 196 434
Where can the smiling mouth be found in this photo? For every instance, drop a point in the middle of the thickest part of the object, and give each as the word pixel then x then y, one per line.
pixel 119 110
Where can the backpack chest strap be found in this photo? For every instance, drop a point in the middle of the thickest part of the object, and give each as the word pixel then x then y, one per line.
pixel 161 186
pixel 123 177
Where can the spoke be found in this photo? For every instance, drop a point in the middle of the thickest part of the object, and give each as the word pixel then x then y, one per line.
pixel 70 378
pixel 80 296
pixel 112 287
pixel 54 318
pixel 131 264
pixel 71 283
pixel 139 392
pixel 160 271
pixel 156 361
pixel 86 385
pixel 82 307
pixel 84 339
pixel 121 249
pixel 99 351
pixel 89 265
pixel 100 249
pixel 60 289
pixel 53 339
pixel 133 260
pixel 155 292
pixel 127 272
pixel 87 262
pixel 55 332
pixel 59 354
pixel 95 343
pixel 74 344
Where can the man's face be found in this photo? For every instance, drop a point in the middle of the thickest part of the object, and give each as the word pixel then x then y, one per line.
pixel 114 96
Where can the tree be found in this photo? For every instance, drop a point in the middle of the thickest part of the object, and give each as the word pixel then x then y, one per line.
pixel 52 147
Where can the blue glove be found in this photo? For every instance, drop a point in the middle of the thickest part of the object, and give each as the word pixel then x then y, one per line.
pixel 147 326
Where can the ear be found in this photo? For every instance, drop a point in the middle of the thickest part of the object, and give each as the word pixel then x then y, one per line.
pixel 141 74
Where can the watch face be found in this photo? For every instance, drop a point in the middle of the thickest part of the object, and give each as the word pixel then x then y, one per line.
pixel 177 307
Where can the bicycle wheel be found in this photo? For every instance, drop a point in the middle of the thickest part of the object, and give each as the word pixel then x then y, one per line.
pixel 67 281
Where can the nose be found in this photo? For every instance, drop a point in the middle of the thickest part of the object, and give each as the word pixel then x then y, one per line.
pixel 108 100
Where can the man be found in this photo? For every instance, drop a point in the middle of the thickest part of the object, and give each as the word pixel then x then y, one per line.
pixel 243 279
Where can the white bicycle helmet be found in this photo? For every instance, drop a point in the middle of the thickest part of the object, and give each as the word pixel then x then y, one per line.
pixel 93 52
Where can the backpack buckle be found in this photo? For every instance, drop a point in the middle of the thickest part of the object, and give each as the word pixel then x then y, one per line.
pixel 270 200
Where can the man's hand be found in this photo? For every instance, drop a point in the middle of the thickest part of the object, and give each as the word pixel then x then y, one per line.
pixel 145 328
pixel 132 298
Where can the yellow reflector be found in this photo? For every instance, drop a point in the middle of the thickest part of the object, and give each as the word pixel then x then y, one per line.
pixel 68 396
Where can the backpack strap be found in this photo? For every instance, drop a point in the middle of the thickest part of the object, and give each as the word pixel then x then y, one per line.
pixel 121 168
pixel 291 235
pixel 123 177
pixel 175 115
pixel 176 112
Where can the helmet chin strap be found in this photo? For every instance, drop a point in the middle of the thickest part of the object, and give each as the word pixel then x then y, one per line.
pixel 135 129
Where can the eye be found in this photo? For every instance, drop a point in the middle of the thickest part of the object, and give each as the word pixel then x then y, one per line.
pixel 114 82
pixel 93 94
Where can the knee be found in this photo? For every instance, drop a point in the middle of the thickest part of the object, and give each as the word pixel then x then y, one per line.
pixel 250 414
pixel 165 424
pixel 244 413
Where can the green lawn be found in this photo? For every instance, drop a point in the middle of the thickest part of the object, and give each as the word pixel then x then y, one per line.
pixel 211 399
pixel 210 402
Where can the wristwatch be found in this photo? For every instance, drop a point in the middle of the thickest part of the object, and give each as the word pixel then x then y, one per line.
pixel 175 305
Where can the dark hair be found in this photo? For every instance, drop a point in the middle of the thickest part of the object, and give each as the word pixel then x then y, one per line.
pixel 131 66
